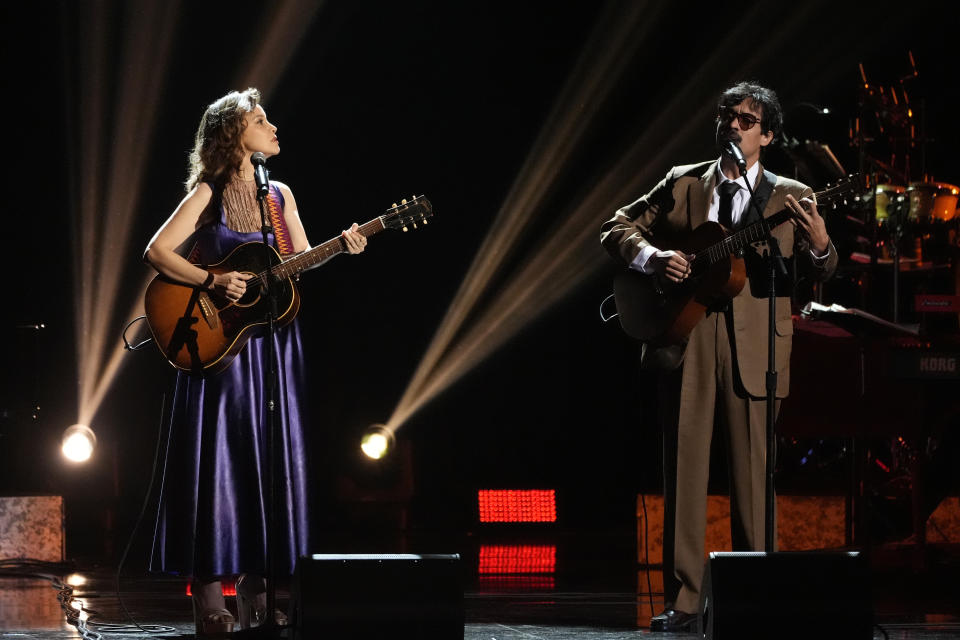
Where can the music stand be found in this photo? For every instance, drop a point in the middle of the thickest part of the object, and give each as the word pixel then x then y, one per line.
pixel 884 405
pixel 854 320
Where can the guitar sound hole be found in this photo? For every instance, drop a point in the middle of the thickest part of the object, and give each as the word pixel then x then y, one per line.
pixel 252 295
pixel 250 298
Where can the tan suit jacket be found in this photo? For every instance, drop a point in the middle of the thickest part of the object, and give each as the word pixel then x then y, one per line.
pixel 679 204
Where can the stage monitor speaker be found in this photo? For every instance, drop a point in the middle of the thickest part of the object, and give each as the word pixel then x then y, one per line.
pixel 367 596
pixel 803 594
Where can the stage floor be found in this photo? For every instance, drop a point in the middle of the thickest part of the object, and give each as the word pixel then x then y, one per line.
pixel 915 596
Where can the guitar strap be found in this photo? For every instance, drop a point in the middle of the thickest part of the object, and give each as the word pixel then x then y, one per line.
pixel 281 234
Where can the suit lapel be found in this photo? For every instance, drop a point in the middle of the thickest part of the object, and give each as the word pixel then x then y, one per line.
pixel 700 196
pixel 762 192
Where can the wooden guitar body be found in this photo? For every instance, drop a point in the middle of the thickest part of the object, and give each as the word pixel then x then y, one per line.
pixel 665 312
pixel 201 332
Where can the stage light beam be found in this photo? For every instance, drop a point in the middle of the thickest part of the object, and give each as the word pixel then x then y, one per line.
pixel 603 61
pixel 570 253
pixel 107 183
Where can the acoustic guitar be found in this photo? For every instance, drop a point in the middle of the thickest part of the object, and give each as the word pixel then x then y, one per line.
pixel 201 332
pixel 662 312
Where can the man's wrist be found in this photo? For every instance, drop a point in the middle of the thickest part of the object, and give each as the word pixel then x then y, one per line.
pixel 820 256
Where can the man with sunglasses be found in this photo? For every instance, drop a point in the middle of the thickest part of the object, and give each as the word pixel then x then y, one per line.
pixel 724 362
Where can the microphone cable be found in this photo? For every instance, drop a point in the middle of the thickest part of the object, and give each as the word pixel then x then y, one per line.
pixel 143 509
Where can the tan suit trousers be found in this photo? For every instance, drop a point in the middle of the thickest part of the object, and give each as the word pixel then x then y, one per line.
pixel 707 385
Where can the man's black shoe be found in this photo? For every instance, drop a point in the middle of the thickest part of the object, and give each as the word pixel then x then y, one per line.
pixel 673 620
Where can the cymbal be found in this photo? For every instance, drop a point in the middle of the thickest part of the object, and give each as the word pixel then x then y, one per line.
pixel 893 172
pixel 883 99
pixel 910 139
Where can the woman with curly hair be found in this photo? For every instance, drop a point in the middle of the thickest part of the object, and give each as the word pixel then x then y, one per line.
pixel 212 517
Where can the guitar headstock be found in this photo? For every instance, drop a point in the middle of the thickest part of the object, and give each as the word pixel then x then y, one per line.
pixel 408 213
pixel 835 195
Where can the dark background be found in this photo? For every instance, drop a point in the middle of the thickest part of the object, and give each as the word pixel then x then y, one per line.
pixel 382 100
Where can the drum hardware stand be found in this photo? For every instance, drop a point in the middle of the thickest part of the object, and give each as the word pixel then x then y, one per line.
pixel 900 206
pixel 897 215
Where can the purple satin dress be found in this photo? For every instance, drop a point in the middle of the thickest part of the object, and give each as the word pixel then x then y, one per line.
pixel 212 515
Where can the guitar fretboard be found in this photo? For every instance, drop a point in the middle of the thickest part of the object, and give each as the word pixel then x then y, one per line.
pixel 740 240
pixel 322 253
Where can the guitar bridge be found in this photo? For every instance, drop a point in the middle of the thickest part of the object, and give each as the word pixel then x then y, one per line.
pixel 208 310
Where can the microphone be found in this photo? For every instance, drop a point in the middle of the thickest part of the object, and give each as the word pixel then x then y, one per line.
pixel 732 149
pixel 259 161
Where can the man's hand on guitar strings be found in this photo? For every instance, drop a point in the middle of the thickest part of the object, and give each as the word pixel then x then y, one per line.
pixel 672 265
pixel 810 222
pixel 356 242
pixel 231 285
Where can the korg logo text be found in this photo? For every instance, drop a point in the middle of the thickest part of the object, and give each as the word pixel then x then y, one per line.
pixel 938 365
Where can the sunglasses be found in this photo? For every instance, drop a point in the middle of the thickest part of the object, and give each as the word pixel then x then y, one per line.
pixel 746 120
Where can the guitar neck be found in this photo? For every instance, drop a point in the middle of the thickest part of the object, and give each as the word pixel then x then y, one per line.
pixel 740 240
pixel 322 253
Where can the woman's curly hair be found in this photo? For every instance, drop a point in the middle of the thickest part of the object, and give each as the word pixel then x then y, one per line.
pixel 216 154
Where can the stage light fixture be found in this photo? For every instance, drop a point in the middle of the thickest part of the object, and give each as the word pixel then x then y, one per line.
pixel 78 443
pixel 377 442
pixel 76 580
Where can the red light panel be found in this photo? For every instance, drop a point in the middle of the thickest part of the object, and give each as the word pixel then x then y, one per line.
pixel 517 505
pixel 229 589
pixel 516 583
pixel 513 559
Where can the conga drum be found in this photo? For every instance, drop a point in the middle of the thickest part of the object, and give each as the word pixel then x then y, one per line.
pixel 888 195
pixel 932 201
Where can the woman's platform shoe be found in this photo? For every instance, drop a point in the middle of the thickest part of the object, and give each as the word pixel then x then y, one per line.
pixel 252 603
pixel 209 610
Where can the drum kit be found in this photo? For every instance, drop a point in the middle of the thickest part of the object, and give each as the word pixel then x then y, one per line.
pixel 923 202
pixel 899 249
pixel 905 222
pixel 918 220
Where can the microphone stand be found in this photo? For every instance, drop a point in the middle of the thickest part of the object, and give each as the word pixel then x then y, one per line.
pixel 775 259
pixel 268 627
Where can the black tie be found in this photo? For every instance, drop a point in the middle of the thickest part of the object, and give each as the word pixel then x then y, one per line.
pixel 725 215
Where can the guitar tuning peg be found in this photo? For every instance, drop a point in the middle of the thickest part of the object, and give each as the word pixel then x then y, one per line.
pixel 413 197
pixel 424 221
pixel 414 224
pixel 405 228
pixel 404 201
pixel 393 206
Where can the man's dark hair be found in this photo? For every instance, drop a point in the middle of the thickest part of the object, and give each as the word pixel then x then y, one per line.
pixel 771 112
